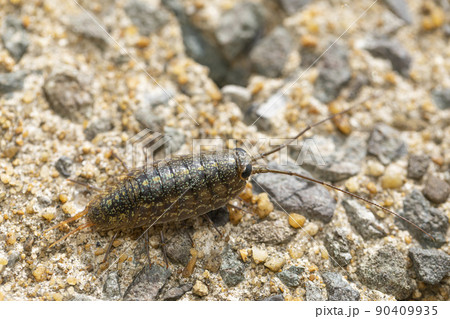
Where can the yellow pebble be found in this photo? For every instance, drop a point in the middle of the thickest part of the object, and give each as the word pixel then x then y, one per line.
pixel 5 179
pixel 48 215
pixel 72 281
pixel 275 263
pixel 352 185
pixel 69 208
pixel 3 261
pixel 39 273
pixel 2 296
pixel 265 207
pixel 311 229
pixel 244 254
pixel 63 198
pixel 296 220
pixel 57 296
pixel 10 238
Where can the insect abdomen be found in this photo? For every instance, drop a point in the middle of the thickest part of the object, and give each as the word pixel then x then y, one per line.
pixel 171 190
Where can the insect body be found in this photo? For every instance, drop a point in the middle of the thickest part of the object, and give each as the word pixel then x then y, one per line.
pixel 180 188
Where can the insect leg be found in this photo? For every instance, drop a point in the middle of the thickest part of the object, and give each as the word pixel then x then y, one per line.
pixel 163 247
pixel 108 250
pixel 212 224
pixel 84 184
pixel 120 160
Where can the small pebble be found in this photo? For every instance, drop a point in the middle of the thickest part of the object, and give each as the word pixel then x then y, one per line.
pixel 244 254
pixel 417 166
pixel 265 207
pixel 259 255
pixel 311 229
pixel 296 220
pixel 40 273
pixel 375 168
pixel 436 190
pixel 72 281
pixel 69 208
pixel 275 263
pixel 200 289
pixel 11 238
pixel 48 215
pixel 393 177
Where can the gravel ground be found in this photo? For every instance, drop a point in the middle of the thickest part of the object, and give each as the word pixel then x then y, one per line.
pixel 70 93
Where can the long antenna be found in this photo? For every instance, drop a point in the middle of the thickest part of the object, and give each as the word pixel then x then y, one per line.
pixel 259 170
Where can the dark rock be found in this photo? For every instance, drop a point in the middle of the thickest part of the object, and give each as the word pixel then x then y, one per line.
pixel 198 46
pixel 111 288
pixel 14 37
pixel 417 166
pixel 262 114
pixel 401 9
pixel 356 85
pixel 10 82
pixel 385 270
pixel 338 288
pixel 363 220
pixel 393 51
pixel 98 126
pixel 334 74
pixel 176 292
pixel 86 27
pixel 338 247
pixel 219 217
pixel 238 28
pixel 274 298
pixel 385 143
pixel 441 98
pixel 239 95
pixel 63 165
pixel 146 17
pixel 269 232
pixel 313 293
pixel 270 54
pixel 436 190
pixel 178 248
pixel 293 6
pixel 147 283
pixel 419 211
pixel 232 269
pixel 430 265
pixel 337 159
pixel 295 194
pixel 291 276
pixel 67 97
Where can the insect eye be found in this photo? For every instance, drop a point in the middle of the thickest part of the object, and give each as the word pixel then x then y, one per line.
pixel 247 171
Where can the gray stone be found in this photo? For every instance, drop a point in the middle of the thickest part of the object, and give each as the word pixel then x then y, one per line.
pixel 232 269
pixel 262 114
pixel 10 82
pixel 296 195
pixel 430 265
pixel 363 220
pixel 98 126
pixel 401 9
pixel 239 95
pixel 334 73
pixel 313 293
pixel 176 292
pixel 158 96
pixel 417 166
pixel 238 28
pixel 419 211
pixel 14 37
pixel 178 248
pixel 67 96
pixel 338 288
pixel 176 139
pixel 386 271
pixel 338 247
pixel 83 297
pixel 269 232
pixel 111 287
pixel 293 6
pixel 13 258
pixel 291 276
pixel 436 190
pixel 336 159
pixel 86 27
pixel 385 143
pixel 63 165
pixel 274 298
pixel 146 17
pixel 148 119
pixel 393 51
pixel 147 283
pixel 269 55
pixel 356 84
pixel 198 46
pixel 441 98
